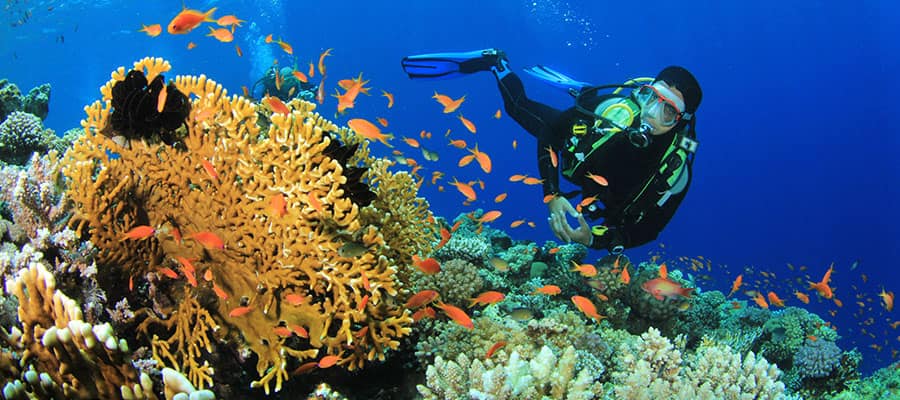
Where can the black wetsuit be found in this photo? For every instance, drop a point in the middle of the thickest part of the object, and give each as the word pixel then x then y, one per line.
pixel 626 167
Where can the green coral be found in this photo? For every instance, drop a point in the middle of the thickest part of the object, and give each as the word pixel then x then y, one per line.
pixel 884 384
pixel 787 331
pixel 22 134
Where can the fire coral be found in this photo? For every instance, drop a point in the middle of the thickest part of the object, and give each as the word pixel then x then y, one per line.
pixel 334 194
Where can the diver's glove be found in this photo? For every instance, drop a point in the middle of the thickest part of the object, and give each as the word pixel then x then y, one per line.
pixel 490 60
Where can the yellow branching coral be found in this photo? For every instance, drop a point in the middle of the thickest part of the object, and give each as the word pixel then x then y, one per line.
pixel 66 357
pixel 278 199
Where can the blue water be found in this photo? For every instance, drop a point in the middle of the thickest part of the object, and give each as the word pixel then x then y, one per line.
pixel 797 130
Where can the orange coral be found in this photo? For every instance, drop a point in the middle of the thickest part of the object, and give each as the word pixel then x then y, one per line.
pixel 221 181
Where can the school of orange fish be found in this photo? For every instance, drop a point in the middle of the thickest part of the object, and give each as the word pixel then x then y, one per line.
pixel 661 287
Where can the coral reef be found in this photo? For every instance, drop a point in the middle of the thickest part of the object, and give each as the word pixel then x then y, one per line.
pixel 260 215
pixel 21 135
pixel 34 197
pixel 457 282
pixel 36 102
pixel 545 375
pixel 653 367
pixel 60 355
pixel 817 358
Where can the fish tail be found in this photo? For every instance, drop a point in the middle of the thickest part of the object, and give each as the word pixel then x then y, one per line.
pixel 208 15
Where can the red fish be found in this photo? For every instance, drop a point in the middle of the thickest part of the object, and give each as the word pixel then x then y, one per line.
pixel 487 298
pixel 240 311
pixel 494 349
pixel 457 315
pixel 421 298
pixel 188 19
pixel 208 240
pixel 550 290
pixel 587 307
pixel 169 272
pixel 664 288
pixel 328 361
pixel 428 266
pixel 139 232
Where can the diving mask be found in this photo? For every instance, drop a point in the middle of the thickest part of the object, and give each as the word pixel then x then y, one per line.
pixel 659 102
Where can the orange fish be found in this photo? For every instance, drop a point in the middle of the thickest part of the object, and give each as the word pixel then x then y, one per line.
pixel 238 50
pixel 390 98
pixel 315 203
pixel 550 290
pixel 532 181
pixel 465 160
pixel 664 288
pixel 300 331
pixel 428 266
pixel 191 45
pixel 625 277
pixel 487 298
pixel 888 299
pixel 587 307
pixel 494 349
pixel 282 331
pixel 517 223
pixel 240 311
pixel 304 368
pixel 663 271
pixel 411 142
pixel 210 170
pixel 822 286
pixel 300 76
pixel 294 299
pixel 775 300
pixel 586 270
pixel 229 20
pixel 187 20
pixel 468 124
pixel 328 361
pixel 456 314
pixel 445 237
pixel 169 272
pixel 597 179
pixel 465 189
pixel 322 56
pixel 369 131
pixel 278 205
pixel 219 292
pixel 426 312
pixel 131 283
pixel 449 104
pixel 483 160
pixel 500 197
pixel 139 232
pixel 312 70
pixel 223 35
pixel 161 100
pixel 490 216
pixel 382 121
pixel 736 285
pixel 362 303
pixel 284 46
pixel 458 143
pixel 208 240
pixel 553 160
pixel 760 300
pixel 208 276
pixel 151 30
pixel 802 297
pixel 497 114
pixel 269 38
pixel 517 177
pixel 277 105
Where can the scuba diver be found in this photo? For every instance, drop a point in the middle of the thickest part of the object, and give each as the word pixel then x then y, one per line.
pixel 289 87
pixel 628 146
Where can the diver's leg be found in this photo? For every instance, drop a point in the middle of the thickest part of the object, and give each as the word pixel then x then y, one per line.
pixel 536 118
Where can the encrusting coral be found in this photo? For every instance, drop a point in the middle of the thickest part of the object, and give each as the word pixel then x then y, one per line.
pixel 260 214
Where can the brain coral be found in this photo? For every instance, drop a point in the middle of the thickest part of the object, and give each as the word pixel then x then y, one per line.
pixel 277 203
pixel 21 134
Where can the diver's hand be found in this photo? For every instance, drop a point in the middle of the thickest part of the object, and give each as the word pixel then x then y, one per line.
pixel 581 235
pixel 559 207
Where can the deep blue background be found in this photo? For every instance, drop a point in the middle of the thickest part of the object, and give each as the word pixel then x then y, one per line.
pixel 798 155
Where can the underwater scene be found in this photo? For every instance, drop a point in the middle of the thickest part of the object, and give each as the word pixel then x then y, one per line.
pixel 449 200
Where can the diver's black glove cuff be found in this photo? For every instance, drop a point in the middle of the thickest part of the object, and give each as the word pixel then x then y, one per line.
pixel 490 59
pixel 608 238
